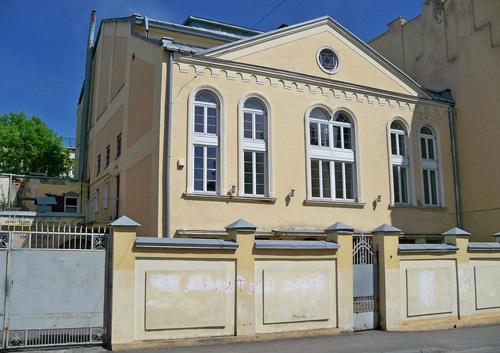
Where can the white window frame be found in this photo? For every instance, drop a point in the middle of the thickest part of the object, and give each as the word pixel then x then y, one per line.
pixel 400 161
pixel 255 145
pixel 204 139
pixel 334 155
pixel 427 165
pixel 71 206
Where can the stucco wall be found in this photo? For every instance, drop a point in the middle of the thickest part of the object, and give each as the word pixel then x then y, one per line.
pixel 455 45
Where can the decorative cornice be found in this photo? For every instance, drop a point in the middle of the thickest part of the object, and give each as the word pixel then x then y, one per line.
pixel 302 83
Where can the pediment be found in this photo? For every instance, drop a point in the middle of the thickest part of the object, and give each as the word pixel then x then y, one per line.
pixel 295 49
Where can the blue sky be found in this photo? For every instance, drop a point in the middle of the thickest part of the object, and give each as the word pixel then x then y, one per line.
pixel 42 58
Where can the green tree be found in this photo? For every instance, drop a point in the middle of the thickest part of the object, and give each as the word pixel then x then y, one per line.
pixel 28 145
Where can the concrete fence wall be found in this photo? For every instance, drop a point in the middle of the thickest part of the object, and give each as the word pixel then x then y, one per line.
pixel 172 291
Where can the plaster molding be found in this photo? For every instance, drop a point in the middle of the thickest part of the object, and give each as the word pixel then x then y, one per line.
pixel 301 83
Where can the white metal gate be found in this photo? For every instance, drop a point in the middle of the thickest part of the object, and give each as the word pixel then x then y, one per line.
pixel 365 272
pixel 53 286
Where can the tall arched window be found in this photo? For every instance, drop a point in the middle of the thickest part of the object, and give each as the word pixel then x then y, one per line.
pixel 255 148
pixel 400 163
pixel 206 143
pixel 332 157
pixel 430 167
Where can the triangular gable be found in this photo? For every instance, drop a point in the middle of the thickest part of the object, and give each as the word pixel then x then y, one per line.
pixel 295 49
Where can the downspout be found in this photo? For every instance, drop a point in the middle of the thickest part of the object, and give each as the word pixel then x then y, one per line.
pixel 455 168
pixel 169 143
pixel 86 98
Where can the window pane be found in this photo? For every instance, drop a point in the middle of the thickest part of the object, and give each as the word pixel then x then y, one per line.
pixel 318 114
pixel 396 126
pixel 313 131
pixel 339 181
pixel 315 186
pixel 431 149
pixel 198 119
pixel 247 125
pixel 325 173
pixel 211 186
pixel 394 147
pixel 427 198
pixel 198 168
pixel 198 174
pixel 423 148
pixel 211 152
pixel 402 147
pixel 248 175
pixel 349 190
pixel 259 127
pixel 70 201
pixel 342 118
pixel 198 185
pixel 337 141
pixel 259 173
pixel 425 130
pixel 347 138
pixel 433 177
pixel 211 121
pixel 404 184
pixel 395 176
pixel 325 138
pixel 205 97
pixel 253 104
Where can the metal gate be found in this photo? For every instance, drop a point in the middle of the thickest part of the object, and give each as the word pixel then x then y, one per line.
pixel 52 286
pixel 365 272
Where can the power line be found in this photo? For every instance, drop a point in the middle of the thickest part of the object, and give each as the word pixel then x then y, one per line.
pixel 269 13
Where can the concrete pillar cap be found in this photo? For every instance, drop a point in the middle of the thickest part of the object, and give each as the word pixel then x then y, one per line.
pixel 339 226
pixel 456 231
pixel 124 221
pixel 385 228
pixel 241 224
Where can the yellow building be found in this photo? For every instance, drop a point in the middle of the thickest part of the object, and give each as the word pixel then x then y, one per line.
pixel 192 126
pixel 455 44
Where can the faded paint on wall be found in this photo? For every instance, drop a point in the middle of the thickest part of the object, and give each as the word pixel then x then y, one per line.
pixel 487 285
pixel 306 293
pixel 186 299
pixel 183 298
pixel 428 289
pixel 295 295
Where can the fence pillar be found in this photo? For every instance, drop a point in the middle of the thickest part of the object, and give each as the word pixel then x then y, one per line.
pixel 243 233
pixel 342 235
pixel 122 279
pixel 386 242
pixel 460 239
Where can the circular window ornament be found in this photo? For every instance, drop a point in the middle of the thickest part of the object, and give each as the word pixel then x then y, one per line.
pixel 328 60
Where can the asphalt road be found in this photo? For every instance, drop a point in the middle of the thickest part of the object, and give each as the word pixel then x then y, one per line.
pixel 481 339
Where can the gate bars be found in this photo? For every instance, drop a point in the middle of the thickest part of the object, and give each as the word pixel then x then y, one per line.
pixel 65 243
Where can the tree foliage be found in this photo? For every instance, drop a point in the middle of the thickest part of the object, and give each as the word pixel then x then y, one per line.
pixel 28 145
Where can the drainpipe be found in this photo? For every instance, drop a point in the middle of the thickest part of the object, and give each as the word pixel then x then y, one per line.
pixel 169 134
pixel 86 98
pixel 455 168
pixel 146 23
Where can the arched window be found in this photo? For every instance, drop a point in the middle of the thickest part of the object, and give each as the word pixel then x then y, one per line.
pixel 400 163
pixel 332 157
pixel 255 157
pixel 430 167
pixel 206 143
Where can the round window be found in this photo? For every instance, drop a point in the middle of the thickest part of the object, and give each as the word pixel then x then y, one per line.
pixel 328 60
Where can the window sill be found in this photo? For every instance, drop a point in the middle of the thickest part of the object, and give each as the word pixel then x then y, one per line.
pixel 229 198
pixel 421 208
pixel 333 204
